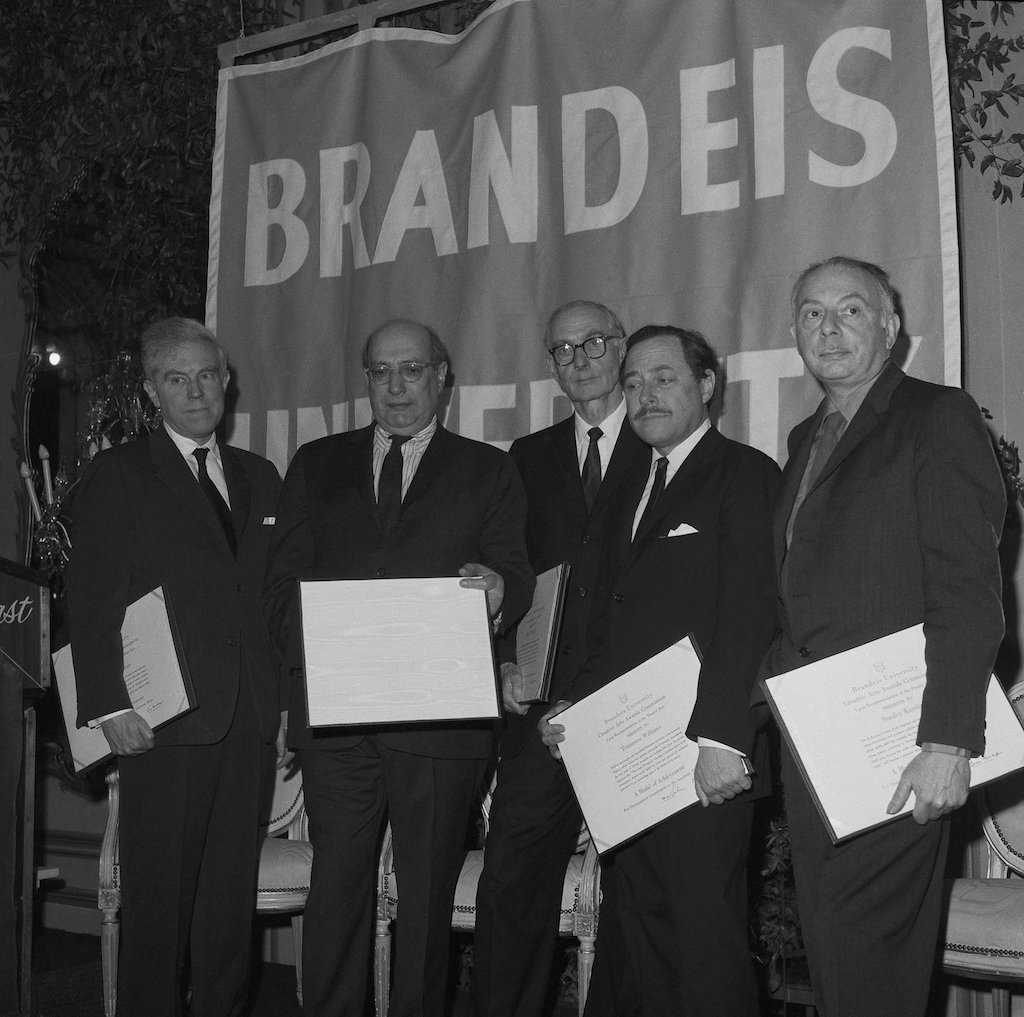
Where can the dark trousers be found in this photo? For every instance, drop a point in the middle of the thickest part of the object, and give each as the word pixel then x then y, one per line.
pixel 348 792
pixel 870 909
pixel 10 878
pixel 189 853
pixel 534 828
pixel 680 902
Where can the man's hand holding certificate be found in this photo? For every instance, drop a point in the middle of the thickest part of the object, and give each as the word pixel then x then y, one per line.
pixel 625 746
pixel 864 766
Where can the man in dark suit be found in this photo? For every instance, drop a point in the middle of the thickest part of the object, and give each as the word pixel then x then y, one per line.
pixel 571 472
pixel 144 517
pixel 690 553
pixel 400 498
pixel 889 516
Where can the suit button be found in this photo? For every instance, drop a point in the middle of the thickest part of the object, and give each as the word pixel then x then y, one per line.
pixel 381 573
pixel 582 591
pixel 232 641
pixel 618 598
pixel 566 650
pixel 586 538
pixel 238 587
pixel 804 652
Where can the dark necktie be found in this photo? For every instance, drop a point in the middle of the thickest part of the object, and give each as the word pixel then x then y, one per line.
pixel 389 487
pixel 213 496
pixel 826 444
pixel 592 468
pixel 656 488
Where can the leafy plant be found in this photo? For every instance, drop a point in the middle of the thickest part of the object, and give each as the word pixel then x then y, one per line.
pixel 976 58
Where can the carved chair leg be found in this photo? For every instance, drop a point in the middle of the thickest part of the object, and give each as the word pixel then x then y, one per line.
pixel 382 966
pixel 584 966
pixel 297 949
pixel 110 930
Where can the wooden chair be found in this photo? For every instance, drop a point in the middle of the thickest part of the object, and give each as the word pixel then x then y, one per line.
pixel 984 937
pixel 581 895
pixel 283 884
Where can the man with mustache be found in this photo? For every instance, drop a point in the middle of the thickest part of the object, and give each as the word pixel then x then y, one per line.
pixel 689 553
pixel 889 515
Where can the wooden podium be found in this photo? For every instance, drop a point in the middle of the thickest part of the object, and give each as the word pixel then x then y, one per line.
pixel 24 674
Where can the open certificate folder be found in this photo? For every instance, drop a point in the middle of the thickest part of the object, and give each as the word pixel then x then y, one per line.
pixel 391 651
pixel 626 751
pixel 537 634
pixel 155 677
pixel 851 722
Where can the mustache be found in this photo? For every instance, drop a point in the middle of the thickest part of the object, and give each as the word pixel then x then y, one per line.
pixel 647 411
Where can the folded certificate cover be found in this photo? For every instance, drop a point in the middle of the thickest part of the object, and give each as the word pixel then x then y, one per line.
pixel 396 651
pixel 537 634
pixel 851 722
pixel 155 675
pixel 626 751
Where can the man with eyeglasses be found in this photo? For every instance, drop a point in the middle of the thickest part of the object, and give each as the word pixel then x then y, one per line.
pixel 571 472
pixel 400 498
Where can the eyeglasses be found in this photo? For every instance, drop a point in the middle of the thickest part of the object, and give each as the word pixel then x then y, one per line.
pixel 594 346
pixel 380 374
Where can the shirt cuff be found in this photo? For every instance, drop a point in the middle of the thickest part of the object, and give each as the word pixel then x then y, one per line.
pixel 109 716
pixel 710 743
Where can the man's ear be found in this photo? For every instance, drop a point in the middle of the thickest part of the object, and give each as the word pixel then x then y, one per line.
pixel 707 386
pixel 150 389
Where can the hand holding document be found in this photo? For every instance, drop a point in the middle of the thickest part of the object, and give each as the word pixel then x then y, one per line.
pixel 871 697
pixel 155 677
pixel 390 651
pixel 625 747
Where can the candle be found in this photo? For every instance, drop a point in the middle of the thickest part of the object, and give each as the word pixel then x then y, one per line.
pixel 26 474
pixel 44 458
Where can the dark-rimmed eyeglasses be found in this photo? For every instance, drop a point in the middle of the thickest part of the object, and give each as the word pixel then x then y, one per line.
pixel 594 346
pixel 380 374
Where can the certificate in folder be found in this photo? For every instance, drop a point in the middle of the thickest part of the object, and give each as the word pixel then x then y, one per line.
pixel 155 676
pixel 851 722
pixel 537 634
pixel 626 751
pixel 396 651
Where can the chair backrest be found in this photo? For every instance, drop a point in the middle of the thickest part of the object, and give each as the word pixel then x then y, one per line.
pixel 286 804
pixel 1003 806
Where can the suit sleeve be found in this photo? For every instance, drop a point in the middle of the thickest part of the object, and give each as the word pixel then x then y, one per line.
pixel 503 543
pixel 961 504
pixel 99 576
pixel 291 558
pixel 745 607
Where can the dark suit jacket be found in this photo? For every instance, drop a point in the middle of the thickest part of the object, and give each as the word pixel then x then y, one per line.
pixel 559 529
pixel 140 520
pixel 465 504
pixel 717 583
pixel 900 527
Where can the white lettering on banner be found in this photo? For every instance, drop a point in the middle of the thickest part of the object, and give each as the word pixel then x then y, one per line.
pixel 421 173
pixel 513 178
pixel 543 394
pixel 698 137
pixel 420 197
pixel 869 118
pixel 261 217
pixel 475 400
pixel 764 369
pixel 336 212
pixel 631 126
pixel 769 122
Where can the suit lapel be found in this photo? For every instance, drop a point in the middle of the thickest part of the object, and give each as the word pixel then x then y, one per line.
pixel 173 472
pixel 681 486
pixel 437 457
pixel 800 451
pixel 624 455
pixel 866 419
pixel 239 492
pixel 566 466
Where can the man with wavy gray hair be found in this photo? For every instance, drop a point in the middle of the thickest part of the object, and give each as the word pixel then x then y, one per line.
pixel 180 510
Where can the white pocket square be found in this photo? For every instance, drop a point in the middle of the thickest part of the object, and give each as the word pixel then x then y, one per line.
pixel 681 530
pixel 269 520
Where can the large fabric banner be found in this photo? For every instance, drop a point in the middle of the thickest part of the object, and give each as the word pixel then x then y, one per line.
pixel 678 160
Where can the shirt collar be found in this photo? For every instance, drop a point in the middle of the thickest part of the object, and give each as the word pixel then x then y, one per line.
pixel 682 450
pixel 382 437
pixel 187 445
pixel 852 402
pixel 610 426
